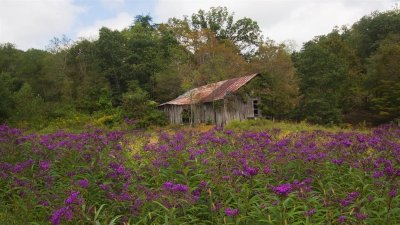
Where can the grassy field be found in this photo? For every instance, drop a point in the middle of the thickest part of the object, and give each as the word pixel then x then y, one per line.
pixel 254 172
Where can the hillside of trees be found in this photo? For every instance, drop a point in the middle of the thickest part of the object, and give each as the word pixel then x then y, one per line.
pixel 349 76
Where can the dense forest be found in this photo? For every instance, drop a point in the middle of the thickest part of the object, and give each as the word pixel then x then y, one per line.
pixel 349 76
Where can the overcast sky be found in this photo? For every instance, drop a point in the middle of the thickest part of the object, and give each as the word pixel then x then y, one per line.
pixel 32 23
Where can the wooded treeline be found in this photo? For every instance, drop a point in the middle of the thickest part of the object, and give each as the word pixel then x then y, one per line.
pixel 351 75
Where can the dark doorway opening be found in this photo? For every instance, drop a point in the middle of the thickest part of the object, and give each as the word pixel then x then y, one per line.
pixel 256 108
pixel 186 116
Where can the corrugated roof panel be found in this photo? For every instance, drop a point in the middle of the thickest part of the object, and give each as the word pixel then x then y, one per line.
pixel 211 92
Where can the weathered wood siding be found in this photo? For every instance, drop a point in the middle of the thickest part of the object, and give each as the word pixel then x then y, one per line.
pixel 174 113
pixel 219 112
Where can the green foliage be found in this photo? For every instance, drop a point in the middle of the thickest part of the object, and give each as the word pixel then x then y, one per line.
pixel 9 56
pixel 347 76
pixel 6 99
pixel 324 73
pixel 111 54
pixel 153 117
pixel 168 84
pixel 285 126
pixel 135 102
pixel 28 107
pixel 244 33
pixel 137 105
pixel 383 79
pixel 279 88
pixel 104 102
pixel 90 90
pixel 342 73
pixel 373 28
pixel 66 118
pixel 321 111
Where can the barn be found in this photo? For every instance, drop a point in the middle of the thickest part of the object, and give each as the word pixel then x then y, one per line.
pixel 215 103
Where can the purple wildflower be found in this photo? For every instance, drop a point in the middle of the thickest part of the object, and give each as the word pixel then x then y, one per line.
pixel 104 187
pixel 63 213
pixel 347 143
pixel 361 216
pixel 349 199
pixel 83 183
pixel 168 185
pixel 267 170
pixel 231 212
pixel 283 189
pixel 44 203
pixel 393 192
pixel 72 197
pixel 196 194
pixel 120 169
pixel 125 196
pixel 337 161
pixel 342 219
pixel 136 207
pixel 252 171
pixel 3 175
pixel 44 165
pixel 225 177
pixel 180 188
pixel 310 212
pixel 203 184
pixel 378 174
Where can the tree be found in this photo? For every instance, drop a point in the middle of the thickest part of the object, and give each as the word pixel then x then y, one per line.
pixel 84 71
pixel 111 54
pixel 217 60
pixel 31 65
pixel 145 53
pixel 383 79
pixel 9 56
pixel 137 105
pixel 28 106
pixel 366 37
pixel 371 29
pixel 168 84
pixel 135 101
pixel 244 33
pixel 137 53
pixel 280 94
pixel 6 100
pixel 324 67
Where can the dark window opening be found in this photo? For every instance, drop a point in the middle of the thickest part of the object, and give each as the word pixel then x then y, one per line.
pixel 255 108
pixel 186 116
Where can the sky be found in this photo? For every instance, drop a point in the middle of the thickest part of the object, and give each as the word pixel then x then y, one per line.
pixel 33 23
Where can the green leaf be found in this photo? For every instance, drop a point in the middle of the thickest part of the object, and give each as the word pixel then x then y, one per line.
pixel 114 220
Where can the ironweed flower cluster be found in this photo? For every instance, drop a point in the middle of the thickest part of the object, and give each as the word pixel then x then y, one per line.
pixel 170 186
pixel 231 212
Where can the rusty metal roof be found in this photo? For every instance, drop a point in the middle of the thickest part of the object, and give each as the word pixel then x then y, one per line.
pixel 211 92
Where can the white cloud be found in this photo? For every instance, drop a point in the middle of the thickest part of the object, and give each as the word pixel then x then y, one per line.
pixel 31 24
pixel 282 20
pixel 121 21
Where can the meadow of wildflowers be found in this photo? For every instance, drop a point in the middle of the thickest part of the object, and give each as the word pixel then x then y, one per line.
pixel 186 177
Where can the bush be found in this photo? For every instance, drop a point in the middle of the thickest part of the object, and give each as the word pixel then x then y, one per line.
pixel 137 105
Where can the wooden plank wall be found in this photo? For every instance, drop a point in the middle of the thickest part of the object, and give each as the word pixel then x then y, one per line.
pixel 174 113
pixel 227 110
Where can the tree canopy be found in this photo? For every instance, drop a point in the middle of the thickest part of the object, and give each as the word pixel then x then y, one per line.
pixel 350 75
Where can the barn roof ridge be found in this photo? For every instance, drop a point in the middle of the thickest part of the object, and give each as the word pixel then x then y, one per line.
pixel 211 92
